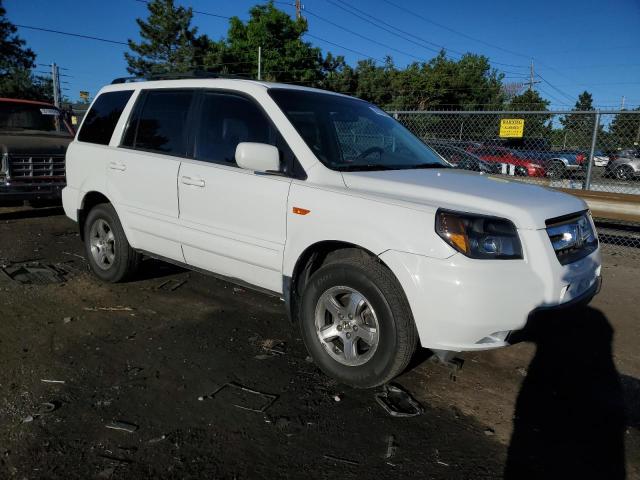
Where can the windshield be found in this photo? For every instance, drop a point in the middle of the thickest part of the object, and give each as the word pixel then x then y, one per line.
pixel 348 134
pixel 28 116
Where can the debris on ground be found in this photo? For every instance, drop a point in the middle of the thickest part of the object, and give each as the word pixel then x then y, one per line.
pixel 117 308
pixel 34 273
pixel 272 347
pixel 238 290
pixel 337 397
pixel 397 402
pixel 106 473
pixel 242 397
pixel 170 285
pixel 124 426
pixel 391 447
pixel 66 320
pixel 74 255
pixel 47 407
pixel 46 380
pixel 158 439
pixel 341 460
pixel 489 431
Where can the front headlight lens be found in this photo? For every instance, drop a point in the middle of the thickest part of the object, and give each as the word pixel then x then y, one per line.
pixel 479 236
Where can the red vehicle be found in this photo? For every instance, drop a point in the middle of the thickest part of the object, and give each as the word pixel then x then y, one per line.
pixel 511 163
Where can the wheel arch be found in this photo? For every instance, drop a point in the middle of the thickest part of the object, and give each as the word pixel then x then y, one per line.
pixel 309 261
pixel 89 200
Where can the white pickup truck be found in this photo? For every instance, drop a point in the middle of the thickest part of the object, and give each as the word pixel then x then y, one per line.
pixel 375 243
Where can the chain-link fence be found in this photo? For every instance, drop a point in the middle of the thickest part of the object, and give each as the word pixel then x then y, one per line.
pixel 597 151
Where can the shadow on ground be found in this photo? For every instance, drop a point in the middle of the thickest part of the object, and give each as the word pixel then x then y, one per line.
pixel 49 211
pixel 570 413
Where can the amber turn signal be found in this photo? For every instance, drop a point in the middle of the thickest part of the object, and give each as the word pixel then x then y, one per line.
pixel 300 211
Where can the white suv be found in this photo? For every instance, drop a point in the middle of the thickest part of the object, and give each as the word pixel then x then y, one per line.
pixel 373 241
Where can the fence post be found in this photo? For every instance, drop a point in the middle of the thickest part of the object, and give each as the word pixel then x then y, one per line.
pixel 594 139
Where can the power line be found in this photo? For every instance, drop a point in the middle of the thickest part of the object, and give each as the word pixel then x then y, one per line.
pixel 404 32
pixel 363 36
pixel 78 35
pixel 410 12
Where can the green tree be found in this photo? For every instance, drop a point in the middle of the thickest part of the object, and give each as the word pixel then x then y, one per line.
pixel 578 127
pixel 285 56
pixel 536 126
pixel 624 130
pixel 169 42
pixel 16 62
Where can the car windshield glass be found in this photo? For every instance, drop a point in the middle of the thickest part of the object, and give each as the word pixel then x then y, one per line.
pixel 26 116
pixel 348 134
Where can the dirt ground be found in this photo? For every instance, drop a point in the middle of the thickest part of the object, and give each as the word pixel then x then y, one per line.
pixel 77 355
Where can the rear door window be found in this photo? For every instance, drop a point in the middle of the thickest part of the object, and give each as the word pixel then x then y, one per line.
pixel 103 116
pixel 159 121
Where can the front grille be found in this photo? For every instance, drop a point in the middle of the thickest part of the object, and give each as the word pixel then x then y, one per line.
pixel 572 236
pixel 36 167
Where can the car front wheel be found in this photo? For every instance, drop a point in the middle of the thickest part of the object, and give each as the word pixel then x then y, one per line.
pixel 356 322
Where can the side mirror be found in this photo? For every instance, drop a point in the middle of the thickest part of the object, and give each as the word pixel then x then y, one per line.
pixel 258 157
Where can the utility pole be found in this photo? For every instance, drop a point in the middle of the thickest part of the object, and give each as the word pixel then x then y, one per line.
pixel 55 77
pixel 259 63
pixel 532 76
pixel 298 10
pixel 622 103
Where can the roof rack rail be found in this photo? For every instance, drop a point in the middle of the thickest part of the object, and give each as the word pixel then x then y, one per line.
pixel 178 76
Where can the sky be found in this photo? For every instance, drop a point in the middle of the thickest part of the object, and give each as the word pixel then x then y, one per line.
pixel 575 45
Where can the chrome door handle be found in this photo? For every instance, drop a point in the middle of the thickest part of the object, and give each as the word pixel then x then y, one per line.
pixel 196 182
pixel 117 166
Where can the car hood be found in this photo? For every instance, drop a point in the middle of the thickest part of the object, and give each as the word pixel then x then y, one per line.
pixel 34 143
pixel 526 205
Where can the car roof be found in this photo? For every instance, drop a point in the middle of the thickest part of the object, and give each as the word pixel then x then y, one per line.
pixel 230 83
pixel 31 102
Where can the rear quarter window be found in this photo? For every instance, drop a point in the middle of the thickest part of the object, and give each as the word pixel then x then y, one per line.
pixel 103 116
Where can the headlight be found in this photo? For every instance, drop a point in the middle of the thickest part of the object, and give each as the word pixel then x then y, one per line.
pixel 479 236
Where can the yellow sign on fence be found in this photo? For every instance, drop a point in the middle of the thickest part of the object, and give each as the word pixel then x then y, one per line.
pixel 512 127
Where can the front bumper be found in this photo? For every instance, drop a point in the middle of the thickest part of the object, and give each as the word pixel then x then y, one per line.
pixel 461 304
pixel 31 191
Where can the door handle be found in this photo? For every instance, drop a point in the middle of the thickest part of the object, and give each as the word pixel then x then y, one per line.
pixel 196 182
pixel 117 166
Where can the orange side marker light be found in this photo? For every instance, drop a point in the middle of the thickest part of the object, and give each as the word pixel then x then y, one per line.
pixel 300 211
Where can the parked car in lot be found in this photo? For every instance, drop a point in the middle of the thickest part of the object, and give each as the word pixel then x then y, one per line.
pixel 375 244
pixel 33 140
pixel 624 165
pixel 464 160
pixel 512 163
pixel 600 159
pixel 557 163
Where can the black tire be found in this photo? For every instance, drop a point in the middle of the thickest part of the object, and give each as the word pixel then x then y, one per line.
pixel 126 260
pixel 557 170
pixel 624 172
pixel 397 333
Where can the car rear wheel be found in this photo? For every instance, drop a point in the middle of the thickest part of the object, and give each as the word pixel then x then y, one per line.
pixel 108 252
pixel 624 172
pixel 356 322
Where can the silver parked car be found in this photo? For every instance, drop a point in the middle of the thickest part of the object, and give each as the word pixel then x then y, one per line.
pixel 624 165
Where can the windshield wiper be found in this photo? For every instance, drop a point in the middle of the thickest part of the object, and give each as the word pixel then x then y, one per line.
pixel 425 165
pixel 364 168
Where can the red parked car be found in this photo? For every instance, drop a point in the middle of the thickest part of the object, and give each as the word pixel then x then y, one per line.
pixel 521 166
